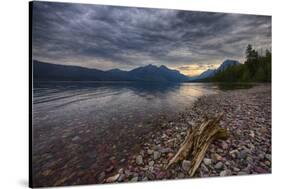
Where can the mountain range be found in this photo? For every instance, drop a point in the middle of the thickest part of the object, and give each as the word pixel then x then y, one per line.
pixel 43 71
pixel 212 72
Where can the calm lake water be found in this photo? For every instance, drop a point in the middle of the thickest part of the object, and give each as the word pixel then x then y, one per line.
pixel 107 104
pixel 78 127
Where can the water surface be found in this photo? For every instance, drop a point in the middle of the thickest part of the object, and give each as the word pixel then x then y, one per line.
pixel 81 128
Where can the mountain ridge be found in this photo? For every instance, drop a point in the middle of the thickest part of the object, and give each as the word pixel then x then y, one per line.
pixel 54 72
pixel 212 72
pixel 43 71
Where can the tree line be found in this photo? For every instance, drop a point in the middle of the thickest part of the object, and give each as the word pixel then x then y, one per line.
pixel 256 68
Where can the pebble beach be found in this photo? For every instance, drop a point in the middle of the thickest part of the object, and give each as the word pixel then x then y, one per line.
pixel 247 118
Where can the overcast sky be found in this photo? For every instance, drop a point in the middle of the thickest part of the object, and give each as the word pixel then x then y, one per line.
pixel 107 37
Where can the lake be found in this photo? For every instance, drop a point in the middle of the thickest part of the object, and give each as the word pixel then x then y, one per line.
pixel 80 128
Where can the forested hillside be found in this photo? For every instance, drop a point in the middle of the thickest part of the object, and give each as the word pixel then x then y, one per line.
pixel 257 68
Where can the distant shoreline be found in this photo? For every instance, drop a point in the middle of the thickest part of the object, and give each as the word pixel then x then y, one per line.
pixel 147 82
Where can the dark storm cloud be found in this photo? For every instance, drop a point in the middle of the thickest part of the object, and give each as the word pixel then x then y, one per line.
pixel 108 37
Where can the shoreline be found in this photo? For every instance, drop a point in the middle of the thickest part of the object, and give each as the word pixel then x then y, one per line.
pixel 247 117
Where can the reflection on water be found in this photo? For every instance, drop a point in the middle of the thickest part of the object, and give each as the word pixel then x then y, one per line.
pixel 96 104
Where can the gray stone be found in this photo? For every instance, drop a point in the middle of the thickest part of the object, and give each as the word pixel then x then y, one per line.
pixel 165 150
pixel 261 156
pixel 101 177
pixel 204 168
pixel 219 165
pixel 227 163
pixel 150 175
pixel 180 175
pixel 112 178
pixel 233 153
pixel 207 161
pixel 225 173
pixel 145 179
pixel 134 179
pixel 252 134
pixel 268 156
pixel 243 154
pixel 139 160
pixel 149 151
pixel 217 157
pixel 224 145
pixel 219 150
pixel 242 173
pixel 121 178
pixel 75 138
pixel 121 170
pixel 151 168
pixel 128 173
pixel 151 163
pixel 156 155
pixel 186 165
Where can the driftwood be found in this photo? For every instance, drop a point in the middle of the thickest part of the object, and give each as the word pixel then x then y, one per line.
pixel 197 142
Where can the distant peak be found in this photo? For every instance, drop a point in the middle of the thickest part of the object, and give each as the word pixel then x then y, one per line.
pixel 151 65
pixel 230 61
pixel 162 66
pixel 227 63
pixel 115 69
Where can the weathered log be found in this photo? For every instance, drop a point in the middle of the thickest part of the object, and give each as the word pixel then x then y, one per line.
pixel 197 142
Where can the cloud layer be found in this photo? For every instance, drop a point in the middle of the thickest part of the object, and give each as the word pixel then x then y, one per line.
pixel 107 37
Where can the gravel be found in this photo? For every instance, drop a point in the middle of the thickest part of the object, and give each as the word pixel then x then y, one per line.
pixel 247 117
